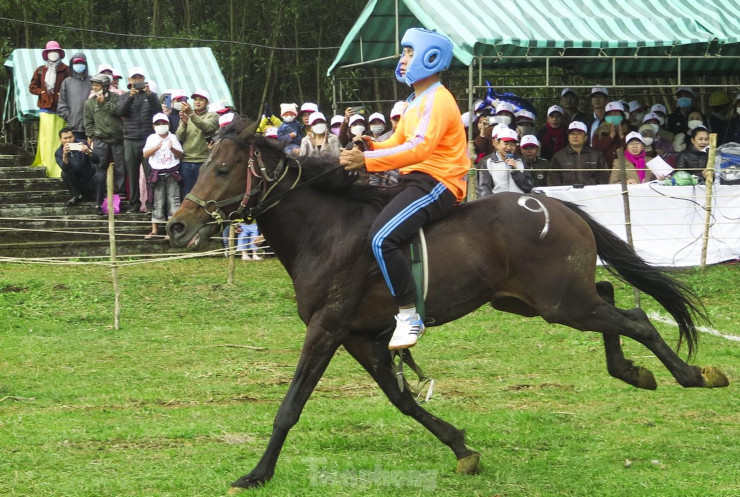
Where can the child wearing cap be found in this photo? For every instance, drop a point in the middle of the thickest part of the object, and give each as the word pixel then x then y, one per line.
pixel 164 151
pixel 291 131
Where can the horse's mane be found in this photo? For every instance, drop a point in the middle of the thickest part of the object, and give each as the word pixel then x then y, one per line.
pixel 322 174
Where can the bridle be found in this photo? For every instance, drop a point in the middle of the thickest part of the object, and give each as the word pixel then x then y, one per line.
pixel 255 169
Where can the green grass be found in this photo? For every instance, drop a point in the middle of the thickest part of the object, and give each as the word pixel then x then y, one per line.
pixel 180 400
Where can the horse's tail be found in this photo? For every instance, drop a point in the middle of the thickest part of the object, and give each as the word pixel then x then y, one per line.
pixel 622 261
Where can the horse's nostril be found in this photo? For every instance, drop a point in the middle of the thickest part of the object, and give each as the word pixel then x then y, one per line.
pixel 177 227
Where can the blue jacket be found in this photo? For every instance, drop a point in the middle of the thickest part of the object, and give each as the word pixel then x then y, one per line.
pixel 286 129
pixel 79 163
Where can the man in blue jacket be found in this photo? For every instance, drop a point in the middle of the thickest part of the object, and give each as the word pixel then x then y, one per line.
pixel 81 171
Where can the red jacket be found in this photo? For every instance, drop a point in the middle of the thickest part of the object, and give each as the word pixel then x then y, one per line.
pixel 37 86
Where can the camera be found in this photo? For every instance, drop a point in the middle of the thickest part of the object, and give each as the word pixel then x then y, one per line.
pixel 75 146
pixel 140 86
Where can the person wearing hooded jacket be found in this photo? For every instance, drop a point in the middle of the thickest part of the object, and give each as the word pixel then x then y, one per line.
pixel 73 95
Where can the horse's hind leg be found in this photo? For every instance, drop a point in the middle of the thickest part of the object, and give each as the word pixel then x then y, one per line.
pixel 617 365
pixel 373 355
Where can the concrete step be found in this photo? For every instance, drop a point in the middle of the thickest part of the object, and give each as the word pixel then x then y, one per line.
pixel 37 184
pixel 95 248
pixel 20 172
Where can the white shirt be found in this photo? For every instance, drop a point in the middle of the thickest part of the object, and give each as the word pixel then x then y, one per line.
pixel 501 174
pixel 163 158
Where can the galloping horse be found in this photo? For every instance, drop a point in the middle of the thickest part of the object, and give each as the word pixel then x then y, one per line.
pixel 528 255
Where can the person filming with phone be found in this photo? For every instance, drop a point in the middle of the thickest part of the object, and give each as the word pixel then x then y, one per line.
pixel 81 171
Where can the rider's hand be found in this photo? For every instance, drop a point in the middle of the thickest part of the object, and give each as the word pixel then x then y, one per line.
pixel 352 160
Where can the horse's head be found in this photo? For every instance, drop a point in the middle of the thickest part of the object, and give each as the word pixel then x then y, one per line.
pixel 227 185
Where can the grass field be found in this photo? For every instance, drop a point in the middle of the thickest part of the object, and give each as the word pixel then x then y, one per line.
pixel 180 400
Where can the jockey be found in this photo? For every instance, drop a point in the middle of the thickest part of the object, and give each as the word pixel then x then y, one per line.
pixel 429 149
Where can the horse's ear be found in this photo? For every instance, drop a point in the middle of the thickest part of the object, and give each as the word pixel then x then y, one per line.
pixel 249 130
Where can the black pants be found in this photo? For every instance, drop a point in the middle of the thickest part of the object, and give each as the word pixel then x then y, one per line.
pixel 134 152
pixel 113 152
pixel 422 201
pixel 87 186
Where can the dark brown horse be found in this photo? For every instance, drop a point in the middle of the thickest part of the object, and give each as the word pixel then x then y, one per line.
pixel 529 255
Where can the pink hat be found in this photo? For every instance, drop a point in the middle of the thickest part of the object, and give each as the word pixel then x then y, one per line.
pixel 315 116
pixel 577 126
pixel 355 118
pixel 529 141
pixel 200 92
pixel 508 135
pixel 225 119
pixel 52 46
pixel 271 132
pixel 555 108
pixel 160 116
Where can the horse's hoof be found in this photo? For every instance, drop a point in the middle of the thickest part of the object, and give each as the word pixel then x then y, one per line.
pixel 646 380
pixel 468 465
pixel 713 378
pixel 235 490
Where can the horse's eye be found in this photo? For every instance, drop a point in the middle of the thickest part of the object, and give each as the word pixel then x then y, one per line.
pixel 223 170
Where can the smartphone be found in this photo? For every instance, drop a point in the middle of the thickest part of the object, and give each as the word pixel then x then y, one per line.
pixel 75 146
pixel 168 101
pixel 360 109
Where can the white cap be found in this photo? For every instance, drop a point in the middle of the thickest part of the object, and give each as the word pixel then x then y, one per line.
pixel 285 108
pixel 160 116
pixel 497 129
pixel 116 75
pixel 568 90
pixel 686 89
pixel 659 109
pixel 376 115
pixel 634 105
pixel 104 67
pixel 315 116
pixel 612 106
pixel 465 119
pixel 153 85
pixel 355 118
pixel 524 115
pixel 133 71
pixel 651 116
pixel 578 126
pixel 507 135
pixel 599 89
pixel 528 140
pixel 555 108
pixel 216 106
pixel 634 135
pixel 309 107
pixel 338 119
pixel 505 107
pixel 178 93
pixel 397 109
pixel 200 92
pixel 225 119
pixel 271 132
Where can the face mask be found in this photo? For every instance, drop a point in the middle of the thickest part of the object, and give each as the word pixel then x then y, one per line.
pixel 639 117
pixel 502 119
pixel 79 68
pixel 525 130
pixel 655 128
pixel 377 128
pixel 288 119
pixel 615 120
pixel 335 130
pixel 161 129
pixel 357 130
pixel 319 129
pixel 694 123
pixel 684 102
pixel 648 141
pixel 53 56
pixel 177 106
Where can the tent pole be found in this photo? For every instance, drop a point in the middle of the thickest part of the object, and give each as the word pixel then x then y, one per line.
pixel 471 149
pixel 398 40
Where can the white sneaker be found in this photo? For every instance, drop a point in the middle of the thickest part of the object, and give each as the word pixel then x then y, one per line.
pixel 245 257
pixel 255 257
pixel 408 330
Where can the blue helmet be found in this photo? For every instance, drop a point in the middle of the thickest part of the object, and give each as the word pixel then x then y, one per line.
pixel 432 54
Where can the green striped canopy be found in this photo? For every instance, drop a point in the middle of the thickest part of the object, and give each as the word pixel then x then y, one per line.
pixel 186 68
pixel 708 29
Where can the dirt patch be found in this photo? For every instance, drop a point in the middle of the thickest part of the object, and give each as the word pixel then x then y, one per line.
pixel 13 289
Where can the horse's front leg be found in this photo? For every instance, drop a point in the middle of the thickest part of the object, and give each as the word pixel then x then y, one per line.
pixel 318 349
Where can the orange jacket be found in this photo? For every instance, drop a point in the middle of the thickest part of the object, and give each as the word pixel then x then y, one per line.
pixel 430 138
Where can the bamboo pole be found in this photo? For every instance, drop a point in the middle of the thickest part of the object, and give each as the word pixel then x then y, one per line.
pixel 627 214
pixel 232 253
pixel 709 177
pixel 112 239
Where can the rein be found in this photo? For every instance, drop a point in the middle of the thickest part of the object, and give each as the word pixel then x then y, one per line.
pixel 256 168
